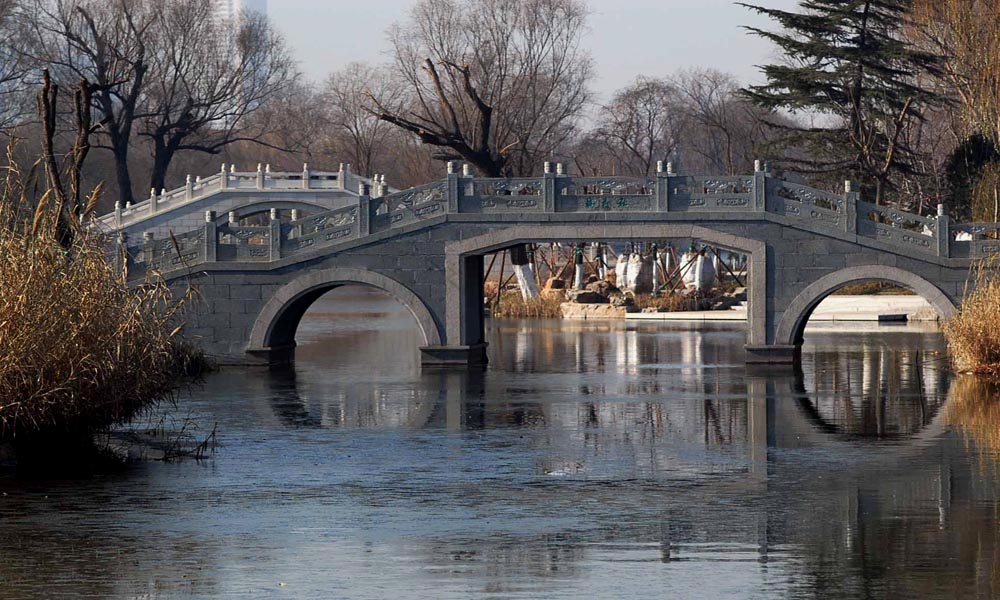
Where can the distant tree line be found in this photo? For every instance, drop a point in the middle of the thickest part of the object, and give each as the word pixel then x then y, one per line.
pixel 901 96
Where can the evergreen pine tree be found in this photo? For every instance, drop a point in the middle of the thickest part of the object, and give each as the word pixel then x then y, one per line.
pixel 854 77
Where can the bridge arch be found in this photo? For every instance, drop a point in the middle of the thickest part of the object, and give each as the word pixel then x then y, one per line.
pixel 793 321
pixel 273 331
pixel 263 205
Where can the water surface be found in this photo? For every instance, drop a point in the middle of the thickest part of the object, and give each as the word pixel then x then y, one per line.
pixel 590 460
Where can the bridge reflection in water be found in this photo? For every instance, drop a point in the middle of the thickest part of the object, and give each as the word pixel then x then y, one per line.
pixel 590 459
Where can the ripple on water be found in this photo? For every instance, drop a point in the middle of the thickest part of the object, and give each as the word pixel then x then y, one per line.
pixel 590 460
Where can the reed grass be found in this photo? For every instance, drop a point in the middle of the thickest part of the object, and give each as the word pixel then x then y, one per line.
pixel 513 306
pixel 974 333
pixel 80 349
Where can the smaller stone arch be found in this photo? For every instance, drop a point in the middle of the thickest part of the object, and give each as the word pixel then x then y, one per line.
pixel 264 205
pixel 275 326
pixel 793 320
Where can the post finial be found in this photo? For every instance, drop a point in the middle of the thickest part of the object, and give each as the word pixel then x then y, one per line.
pixel 451 167
pixel 560 169
pixel 466 170
pixel 758 166
pixel 659 166
pixel 942 209
pixel 848 186
pixel 670 168
pixel 547 167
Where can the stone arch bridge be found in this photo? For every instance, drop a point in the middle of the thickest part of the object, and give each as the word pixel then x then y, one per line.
pixel 425 247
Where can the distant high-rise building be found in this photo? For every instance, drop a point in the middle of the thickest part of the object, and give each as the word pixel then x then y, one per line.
pixel 231 10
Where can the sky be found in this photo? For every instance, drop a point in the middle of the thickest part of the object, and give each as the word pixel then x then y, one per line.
pixel 627 38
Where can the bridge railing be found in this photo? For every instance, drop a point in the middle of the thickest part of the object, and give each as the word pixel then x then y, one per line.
pixel 555 192
pixel 975 240
pixel 228 180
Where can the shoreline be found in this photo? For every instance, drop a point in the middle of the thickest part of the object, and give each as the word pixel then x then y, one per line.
pixel 832 309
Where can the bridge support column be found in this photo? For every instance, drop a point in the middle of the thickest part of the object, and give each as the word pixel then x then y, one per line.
pixel 473 355
pixel 465 328
pixel 774 354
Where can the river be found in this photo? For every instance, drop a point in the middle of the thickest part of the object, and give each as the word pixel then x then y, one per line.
pixel 592 459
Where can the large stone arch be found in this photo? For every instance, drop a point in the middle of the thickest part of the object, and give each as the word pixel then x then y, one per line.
pixel 796 315
pixel 463 322
pixel 273 331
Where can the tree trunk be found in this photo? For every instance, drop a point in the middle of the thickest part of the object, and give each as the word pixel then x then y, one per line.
pixel 164 149
pixel 122 175
pixel 522 269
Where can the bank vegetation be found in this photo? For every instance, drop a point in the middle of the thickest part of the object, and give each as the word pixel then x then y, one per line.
pixel 974 333
pixel 81 348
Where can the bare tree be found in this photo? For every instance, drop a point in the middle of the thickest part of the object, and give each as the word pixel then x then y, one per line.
pixel 641 125
pixel 718 116
pixel 167 70
pixel 356 134
pixel 498 83
pixel 104 43
pixel 203 87
pixel 14 97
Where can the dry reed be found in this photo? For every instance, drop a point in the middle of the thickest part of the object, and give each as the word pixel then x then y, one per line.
pixel 974 333
pixel 513 306
pixel 80 350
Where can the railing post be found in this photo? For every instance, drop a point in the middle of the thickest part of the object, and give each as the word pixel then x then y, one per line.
pixel 341 182
pixel 211 238
pixel 305 177
pixel 468 181
pixel 452 183
pixel 943 231
pixel 850 215
pixel 549 188
pixel 153 203
pixel 260 176
pixel 364 214
pixel 188 189
pixel 275 234
pixel 759 186
pixel 662 189
pixel 118 213
pixel 223 178
pixel 121 251
pixel 148 247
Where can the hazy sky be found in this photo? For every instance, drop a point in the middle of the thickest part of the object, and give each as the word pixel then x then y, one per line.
pixel 627 37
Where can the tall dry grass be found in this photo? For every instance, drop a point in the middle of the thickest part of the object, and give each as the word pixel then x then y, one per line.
pixel 513 306
pixel 80 349
pixel 974 333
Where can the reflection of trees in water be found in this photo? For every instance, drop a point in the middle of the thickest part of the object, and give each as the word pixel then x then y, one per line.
pixel 907 520
pixel 503 564
pixel 876 391
pixel 974 412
